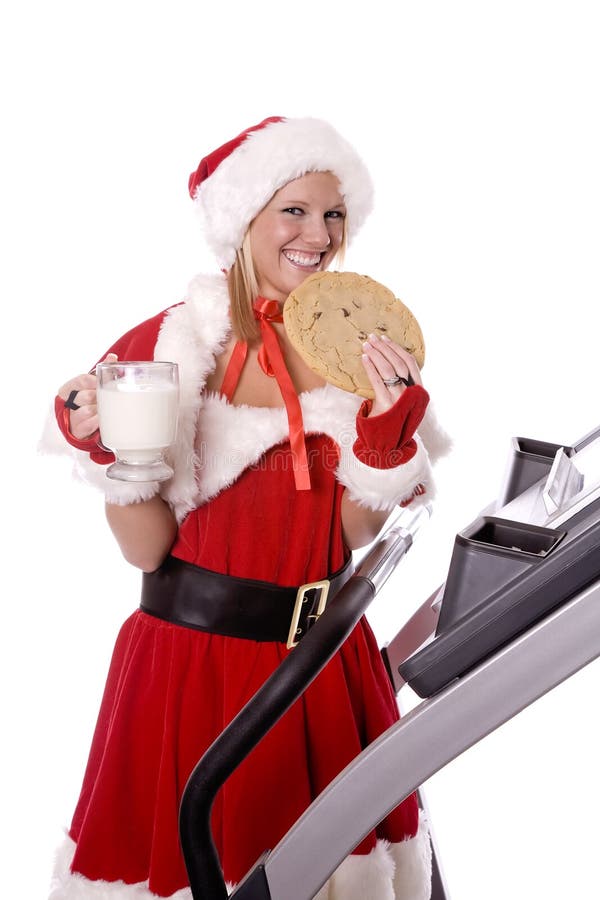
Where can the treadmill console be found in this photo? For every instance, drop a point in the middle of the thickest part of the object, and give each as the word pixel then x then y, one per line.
pixel 509 569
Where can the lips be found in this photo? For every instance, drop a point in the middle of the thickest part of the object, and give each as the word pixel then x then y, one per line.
pixel 306 260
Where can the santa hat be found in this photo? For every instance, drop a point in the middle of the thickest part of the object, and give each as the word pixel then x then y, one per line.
pixel 233 184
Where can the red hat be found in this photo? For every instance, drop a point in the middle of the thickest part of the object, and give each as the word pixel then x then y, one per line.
pixel 232 184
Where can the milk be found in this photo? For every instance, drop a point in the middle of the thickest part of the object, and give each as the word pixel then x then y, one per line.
pixel 137 416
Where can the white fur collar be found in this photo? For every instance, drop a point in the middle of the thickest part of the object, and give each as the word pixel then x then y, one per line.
pixel 217 441
pixel 232 438
pixel 192 335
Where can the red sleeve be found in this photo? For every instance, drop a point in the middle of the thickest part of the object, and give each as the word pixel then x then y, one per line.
pixel 387 440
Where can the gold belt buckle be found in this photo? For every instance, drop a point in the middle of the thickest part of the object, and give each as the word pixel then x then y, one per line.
pixel 323 586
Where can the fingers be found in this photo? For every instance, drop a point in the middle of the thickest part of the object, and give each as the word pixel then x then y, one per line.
pixel 383 397
pixel 393 355
pixel 85 383
pixel 384 360
pixel 110 358
pixel 83 422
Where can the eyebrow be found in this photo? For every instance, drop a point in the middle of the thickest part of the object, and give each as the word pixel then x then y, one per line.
pixel 340 205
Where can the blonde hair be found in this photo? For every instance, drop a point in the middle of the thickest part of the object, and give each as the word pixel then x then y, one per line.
pixel 243 292
pixel 243 288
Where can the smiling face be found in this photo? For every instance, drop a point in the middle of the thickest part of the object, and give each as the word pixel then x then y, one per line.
pixel 297 233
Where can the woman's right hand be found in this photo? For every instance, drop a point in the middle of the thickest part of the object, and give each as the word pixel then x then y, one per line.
pixel 83 422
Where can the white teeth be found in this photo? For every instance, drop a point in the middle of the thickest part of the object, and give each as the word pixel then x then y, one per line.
pixel 302 259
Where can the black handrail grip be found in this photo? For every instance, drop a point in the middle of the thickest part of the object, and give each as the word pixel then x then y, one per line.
pixel 254 720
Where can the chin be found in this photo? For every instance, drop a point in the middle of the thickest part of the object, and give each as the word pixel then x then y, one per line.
pixel 299 277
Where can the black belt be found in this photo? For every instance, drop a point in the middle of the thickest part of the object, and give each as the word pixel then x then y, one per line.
pixel 185 594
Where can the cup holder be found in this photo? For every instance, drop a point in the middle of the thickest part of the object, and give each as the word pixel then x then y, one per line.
pixel 516 537
pixel 487 556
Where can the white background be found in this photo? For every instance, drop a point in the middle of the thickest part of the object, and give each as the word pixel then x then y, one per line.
pixel 479 122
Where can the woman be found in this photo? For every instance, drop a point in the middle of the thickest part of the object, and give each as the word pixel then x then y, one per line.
pixel 267 489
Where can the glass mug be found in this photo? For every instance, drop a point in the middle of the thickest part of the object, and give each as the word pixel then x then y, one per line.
pixel 137 411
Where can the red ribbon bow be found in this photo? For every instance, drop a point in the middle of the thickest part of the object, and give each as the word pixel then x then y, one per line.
pixel 271 361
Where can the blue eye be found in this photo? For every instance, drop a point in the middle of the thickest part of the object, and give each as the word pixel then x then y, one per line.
pixel 335 214
pixel 294 210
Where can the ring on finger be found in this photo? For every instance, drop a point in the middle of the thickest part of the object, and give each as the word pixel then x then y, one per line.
pixel 70 401
pixel 398 379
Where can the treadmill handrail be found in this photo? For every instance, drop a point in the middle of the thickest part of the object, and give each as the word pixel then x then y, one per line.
pixel 588 438
pixel 296 671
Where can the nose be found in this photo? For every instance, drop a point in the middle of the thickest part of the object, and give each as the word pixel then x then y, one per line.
pixel 316 233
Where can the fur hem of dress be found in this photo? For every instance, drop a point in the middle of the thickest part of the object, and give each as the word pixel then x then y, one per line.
pixel 192 334
pixel 390 872
pixel 399 871
pixel 68 885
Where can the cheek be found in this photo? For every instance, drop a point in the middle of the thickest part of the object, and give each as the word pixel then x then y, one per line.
pixel 336 234
pixel 336 229
pixel 283 234
pixel 271 238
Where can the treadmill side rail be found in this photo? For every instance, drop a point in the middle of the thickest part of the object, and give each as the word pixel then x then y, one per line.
pixel 428 738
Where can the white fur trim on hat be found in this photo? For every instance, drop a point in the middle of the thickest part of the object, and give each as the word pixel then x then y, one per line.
pixel 244 182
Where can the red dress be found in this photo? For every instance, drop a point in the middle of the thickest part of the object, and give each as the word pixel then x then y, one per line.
pixel 171 690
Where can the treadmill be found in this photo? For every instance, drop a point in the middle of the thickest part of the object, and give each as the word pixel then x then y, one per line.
pixel 518 614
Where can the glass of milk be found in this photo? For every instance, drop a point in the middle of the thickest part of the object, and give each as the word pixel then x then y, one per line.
pixel 137 409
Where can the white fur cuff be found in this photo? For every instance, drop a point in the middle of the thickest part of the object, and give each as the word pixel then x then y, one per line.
pixel 120 493
pixel 384 489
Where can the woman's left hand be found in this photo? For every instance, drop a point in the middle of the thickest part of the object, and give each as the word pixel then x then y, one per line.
pixel 386 363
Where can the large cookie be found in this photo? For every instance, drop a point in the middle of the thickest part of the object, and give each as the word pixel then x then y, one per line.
pixel 331 314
